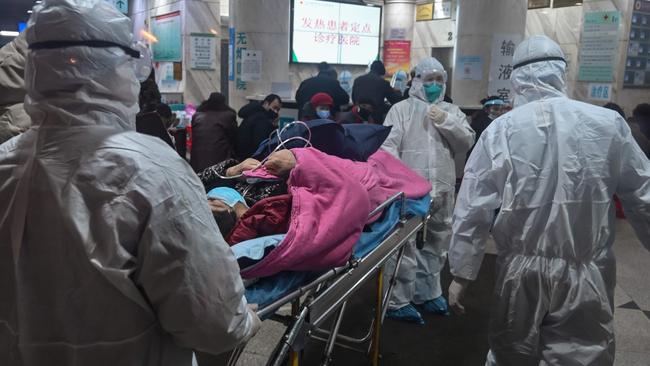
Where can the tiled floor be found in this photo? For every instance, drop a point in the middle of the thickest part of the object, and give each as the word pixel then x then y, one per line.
pixel 632 300
pixel 632 317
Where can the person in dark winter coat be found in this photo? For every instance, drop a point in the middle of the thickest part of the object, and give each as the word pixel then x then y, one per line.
pixel 360 113
pixel 149 96
pixel 214 130
pixel 324 82
pixel 493 107
pixel 154 122
pixel 640 126
pixel 259 120
pixel 373 86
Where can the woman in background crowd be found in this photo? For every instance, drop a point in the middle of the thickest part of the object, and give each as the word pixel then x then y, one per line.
pixel 214 130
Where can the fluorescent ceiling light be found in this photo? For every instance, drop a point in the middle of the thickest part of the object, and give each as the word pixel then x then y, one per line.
pixel 9 34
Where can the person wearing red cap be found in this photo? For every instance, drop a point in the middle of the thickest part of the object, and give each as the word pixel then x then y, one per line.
pixel 322 104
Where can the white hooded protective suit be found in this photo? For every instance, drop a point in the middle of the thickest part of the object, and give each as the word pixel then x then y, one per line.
pixel 429 149
pixel 13 119
pixel 552 166
pixel 108 253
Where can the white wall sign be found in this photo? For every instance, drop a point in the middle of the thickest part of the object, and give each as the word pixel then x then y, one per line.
pixel 469 68
pixel 397 33
pixel 165 78
pixel 251 68
pixel 203 51
pixel 503 48
pixel 442 9
pixel 600 92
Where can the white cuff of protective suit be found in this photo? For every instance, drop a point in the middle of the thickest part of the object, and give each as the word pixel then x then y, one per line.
pixel 254 323
pixel 437 115
pixel 461 282
pixel 465 258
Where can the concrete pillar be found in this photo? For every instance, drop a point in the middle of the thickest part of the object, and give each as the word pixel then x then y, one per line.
pixel 478 21
pixel 202 16
pixel 399 14
pixel 198 16
pixel 264 26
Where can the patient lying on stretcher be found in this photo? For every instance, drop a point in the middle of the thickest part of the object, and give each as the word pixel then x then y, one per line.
pixel 326 207
pixel 268 216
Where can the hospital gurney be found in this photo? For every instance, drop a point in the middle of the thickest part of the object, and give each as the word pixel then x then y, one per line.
pixel 312 304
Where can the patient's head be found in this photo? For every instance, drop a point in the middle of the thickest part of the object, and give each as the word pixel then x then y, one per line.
pixel 227 206
pixel 224 215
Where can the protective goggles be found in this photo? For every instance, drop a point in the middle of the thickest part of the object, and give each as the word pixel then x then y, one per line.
pixel 528 62
pixel 139 52
pixel 50 45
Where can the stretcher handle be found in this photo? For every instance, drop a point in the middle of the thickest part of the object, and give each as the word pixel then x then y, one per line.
pixel 269 309
pixel 388 202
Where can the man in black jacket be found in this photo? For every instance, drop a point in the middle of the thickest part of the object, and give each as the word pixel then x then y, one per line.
pixel 324 82
pixel 373 86
pixel 259 121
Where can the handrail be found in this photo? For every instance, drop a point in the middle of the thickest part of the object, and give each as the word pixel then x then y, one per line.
pixel 388 202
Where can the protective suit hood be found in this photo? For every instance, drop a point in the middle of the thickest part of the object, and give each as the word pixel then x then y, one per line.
pixel 12 71
pixel 429 65
pixel 107 254
pixel 64 83
pixel 13 119
pixel 539 70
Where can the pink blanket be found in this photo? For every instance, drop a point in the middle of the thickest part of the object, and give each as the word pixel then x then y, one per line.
pixel 332 198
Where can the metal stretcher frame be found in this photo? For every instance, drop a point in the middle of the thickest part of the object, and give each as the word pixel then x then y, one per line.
pixel 317 301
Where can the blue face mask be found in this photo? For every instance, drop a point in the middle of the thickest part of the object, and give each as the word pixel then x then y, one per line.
pixel 433 91
pixel 323 113
pixel 226 195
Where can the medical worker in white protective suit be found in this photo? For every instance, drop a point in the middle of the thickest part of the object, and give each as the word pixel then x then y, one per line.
pixel 427 133
pixel 108 255
pixel 552 166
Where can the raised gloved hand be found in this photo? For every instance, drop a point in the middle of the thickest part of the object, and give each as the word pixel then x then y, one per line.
pixel 436 114
pixel 456 293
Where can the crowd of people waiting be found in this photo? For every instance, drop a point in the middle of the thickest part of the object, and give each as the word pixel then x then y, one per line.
pixel 108 256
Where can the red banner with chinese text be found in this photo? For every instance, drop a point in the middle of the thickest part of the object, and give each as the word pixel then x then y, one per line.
pixel 397 56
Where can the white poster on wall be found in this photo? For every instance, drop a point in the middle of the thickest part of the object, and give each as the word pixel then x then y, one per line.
pixel 203 51
pixel 442 9
pixel 251 65
pixel 469 68
pixel 503 48
pixel 165 78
